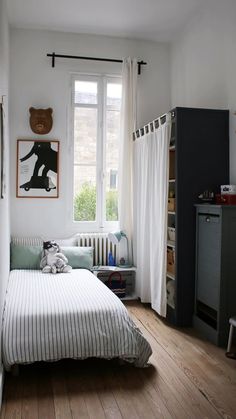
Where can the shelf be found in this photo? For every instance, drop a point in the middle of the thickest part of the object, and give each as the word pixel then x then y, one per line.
pixel 171 180
pixel 171 276
pixel 172 147
pixel 170 305
pixel 171 212
pixel 103 268
pixel 130 297
pixel 171 243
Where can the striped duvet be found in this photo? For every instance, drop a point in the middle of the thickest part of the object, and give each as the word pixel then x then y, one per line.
pixel 49 317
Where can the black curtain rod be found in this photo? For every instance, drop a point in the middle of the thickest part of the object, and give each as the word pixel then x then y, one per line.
pixel 111 60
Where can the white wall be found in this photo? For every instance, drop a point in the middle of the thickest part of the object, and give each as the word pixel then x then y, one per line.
pixel 4 203
pixel 203 64
pixel 35 83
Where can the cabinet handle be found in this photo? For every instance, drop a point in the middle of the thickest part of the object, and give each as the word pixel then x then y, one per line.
pixel 208 219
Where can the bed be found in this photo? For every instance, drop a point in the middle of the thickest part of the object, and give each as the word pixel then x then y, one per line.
pixel 50 317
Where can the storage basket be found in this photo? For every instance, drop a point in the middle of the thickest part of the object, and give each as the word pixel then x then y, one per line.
pixel 170 255
pixel 116 284
pixel 170 261
pixel 171 204
pixel 170 268
pixel 171 233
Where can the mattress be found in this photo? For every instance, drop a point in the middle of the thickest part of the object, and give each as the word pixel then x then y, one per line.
pixel 69 315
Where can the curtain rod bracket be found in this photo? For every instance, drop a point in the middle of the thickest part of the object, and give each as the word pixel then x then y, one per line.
pixel 54 55
pixel 140 63
pixel 53 59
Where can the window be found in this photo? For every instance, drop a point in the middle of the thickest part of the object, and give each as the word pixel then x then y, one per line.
pixel 96 126
pixel 113 179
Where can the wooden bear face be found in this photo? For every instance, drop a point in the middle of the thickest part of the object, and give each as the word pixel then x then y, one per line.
pixel 41 120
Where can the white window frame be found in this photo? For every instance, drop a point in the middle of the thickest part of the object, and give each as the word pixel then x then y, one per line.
pixel 100 224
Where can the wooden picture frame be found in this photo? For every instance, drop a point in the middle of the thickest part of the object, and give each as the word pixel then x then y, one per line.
pixel 37 168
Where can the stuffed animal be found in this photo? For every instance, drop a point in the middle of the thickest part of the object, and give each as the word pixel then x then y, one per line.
pixel 53 261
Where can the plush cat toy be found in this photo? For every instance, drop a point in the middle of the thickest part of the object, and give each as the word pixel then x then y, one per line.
pixel 52 259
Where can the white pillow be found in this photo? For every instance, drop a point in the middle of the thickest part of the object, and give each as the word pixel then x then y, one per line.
pixel 69 241
pixel 27 241
pixel 38 241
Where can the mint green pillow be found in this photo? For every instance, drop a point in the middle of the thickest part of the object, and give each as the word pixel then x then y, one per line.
pixel 25 257
pixel 79 257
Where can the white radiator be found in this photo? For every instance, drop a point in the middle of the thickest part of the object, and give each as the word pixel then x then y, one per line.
pixel 102 246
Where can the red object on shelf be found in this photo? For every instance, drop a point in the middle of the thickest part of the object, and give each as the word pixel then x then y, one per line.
pixel 226 199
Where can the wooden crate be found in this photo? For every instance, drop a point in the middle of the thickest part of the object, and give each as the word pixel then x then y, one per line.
pixel 170 260
pixel 171 204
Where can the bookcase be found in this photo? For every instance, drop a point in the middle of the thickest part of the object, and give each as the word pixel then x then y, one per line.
pixel 198 161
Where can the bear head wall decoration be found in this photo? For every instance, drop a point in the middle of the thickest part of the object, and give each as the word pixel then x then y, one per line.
pixel 41 120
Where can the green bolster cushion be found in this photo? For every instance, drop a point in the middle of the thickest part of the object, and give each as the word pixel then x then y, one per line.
pixel 79 257
pixel 25 257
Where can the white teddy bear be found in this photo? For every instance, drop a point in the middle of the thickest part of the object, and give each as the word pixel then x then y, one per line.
pixel 52 259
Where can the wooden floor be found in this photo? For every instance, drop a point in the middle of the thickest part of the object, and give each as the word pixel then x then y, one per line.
pixel 188 378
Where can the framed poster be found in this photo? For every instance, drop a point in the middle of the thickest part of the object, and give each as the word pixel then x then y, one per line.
pixel 37 169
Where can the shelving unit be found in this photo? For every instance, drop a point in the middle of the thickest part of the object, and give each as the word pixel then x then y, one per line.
pixel 128 274
pixel 170 276
pixel 198 161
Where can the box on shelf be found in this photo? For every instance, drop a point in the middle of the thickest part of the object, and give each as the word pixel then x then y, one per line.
pixel 226 199
pixel 170 260
pixel 171 204
pixel 228 189
pixel 171 233
pixel 170 255
pixel 170 268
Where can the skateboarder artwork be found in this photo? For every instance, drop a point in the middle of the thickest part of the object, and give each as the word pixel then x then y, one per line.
pixel 37 171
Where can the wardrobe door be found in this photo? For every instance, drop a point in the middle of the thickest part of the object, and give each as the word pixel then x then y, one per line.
pixel 209 259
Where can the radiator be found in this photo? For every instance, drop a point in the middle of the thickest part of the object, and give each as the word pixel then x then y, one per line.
pixel 102 246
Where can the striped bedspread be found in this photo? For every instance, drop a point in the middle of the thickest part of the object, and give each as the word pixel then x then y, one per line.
pixel 49 317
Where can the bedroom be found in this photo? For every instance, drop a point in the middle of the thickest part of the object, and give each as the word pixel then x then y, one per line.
pixel 190 62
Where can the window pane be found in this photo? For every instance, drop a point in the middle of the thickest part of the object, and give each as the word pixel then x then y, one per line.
pixel 114 95
pixel 85 138
pixel 84 193
pixel 85 92
pixel 112 150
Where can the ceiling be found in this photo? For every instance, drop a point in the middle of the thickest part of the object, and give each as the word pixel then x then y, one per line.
pixel 153 20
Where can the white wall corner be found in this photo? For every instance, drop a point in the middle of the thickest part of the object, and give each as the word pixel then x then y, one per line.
pixel 1 383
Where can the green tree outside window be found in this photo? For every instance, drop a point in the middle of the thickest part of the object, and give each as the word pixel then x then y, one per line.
pixel 85 204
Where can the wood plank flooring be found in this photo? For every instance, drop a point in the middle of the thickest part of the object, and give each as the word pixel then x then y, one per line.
pixel 188 378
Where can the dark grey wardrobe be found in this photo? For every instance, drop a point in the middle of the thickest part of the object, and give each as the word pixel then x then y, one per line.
pixel 199 160
pixel 215 297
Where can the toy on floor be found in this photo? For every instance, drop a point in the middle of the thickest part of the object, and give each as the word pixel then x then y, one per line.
pixel 53 261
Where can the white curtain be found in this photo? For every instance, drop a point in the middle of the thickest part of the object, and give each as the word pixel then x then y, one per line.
pixel 151 166
pixel 128 126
